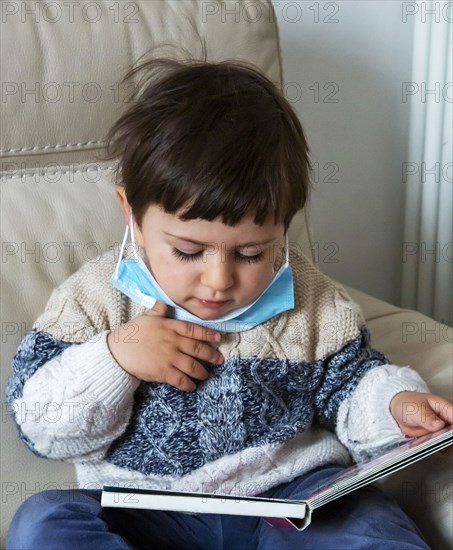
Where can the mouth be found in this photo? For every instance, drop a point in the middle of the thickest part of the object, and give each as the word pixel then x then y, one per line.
pixel 211 304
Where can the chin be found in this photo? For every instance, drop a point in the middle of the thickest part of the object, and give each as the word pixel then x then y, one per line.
pixel 212 315
pixel 202 314
pixel 209 316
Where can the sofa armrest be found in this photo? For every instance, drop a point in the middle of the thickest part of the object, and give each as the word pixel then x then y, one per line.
pixel 423 489
pixel 410 338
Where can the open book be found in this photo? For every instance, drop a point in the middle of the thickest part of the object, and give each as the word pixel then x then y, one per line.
pixel 296 512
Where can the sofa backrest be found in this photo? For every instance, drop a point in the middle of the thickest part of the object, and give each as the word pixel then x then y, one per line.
pixel 61 67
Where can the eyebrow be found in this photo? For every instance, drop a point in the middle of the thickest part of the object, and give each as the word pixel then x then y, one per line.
pixel 198 242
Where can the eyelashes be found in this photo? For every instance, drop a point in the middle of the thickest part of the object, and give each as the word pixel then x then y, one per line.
pixel 194 257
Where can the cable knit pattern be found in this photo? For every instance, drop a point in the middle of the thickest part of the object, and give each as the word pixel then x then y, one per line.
pixel 300 390
pixel 244 403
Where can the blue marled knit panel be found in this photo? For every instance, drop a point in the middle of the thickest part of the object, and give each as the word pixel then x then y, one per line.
pixel 246 402
pixel 342 373
pixel 34 351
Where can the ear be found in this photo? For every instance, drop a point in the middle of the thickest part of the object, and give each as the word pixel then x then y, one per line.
pixel 126 210
pixel 125 207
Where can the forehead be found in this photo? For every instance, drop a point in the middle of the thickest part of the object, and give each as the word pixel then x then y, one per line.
pixel 246 231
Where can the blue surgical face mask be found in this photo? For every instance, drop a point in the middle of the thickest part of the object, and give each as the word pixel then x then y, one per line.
pixel 133 278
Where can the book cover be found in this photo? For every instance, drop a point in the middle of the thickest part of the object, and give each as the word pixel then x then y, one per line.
pixel 294 513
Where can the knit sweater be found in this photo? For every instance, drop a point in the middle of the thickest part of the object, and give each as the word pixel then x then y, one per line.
pixel 298 391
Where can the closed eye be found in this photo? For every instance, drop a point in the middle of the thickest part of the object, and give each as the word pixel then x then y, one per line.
pixel 197 256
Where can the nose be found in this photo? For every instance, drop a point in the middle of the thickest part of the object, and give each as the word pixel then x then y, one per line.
pixel 217 274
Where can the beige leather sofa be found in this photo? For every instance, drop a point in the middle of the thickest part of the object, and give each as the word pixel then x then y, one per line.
pixel 61 64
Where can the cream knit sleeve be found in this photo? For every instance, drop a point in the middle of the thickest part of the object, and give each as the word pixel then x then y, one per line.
pixel 76 403
pixel 67 394
pixel 364 422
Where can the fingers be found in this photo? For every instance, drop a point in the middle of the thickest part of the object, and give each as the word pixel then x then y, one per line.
pixel 188 344
pixel 199 350
pixel 426 413
pixel 193 347
pixel 442 410
pixel 187 367
pixel 184 328
pixel 176 378
pixel 194 331
pixel 417 431
pixel 186 370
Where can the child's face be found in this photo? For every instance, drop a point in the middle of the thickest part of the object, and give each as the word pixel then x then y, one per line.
pixel 222 268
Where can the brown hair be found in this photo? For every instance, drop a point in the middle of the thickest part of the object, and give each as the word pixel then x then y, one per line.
pixel 204 139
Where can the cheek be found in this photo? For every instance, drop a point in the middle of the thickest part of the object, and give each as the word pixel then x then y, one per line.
pixel 159 265
pixel 175 272
pixel 259 278
pixel 268 278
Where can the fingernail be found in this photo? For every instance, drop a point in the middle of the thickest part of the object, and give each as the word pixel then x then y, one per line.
pixel 217 337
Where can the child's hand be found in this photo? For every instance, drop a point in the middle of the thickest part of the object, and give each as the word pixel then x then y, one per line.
pixel 156 349
pixel 420 413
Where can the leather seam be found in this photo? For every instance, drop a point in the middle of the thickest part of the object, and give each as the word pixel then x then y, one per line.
pixel 4 177
pixel 52 147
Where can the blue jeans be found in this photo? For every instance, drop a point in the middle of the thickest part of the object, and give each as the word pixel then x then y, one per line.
pixel 74 519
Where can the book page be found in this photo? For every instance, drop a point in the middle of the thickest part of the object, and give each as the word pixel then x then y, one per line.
pixel 385 461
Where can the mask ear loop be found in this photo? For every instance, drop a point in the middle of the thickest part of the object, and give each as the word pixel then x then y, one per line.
pixel 134 244
pixel 287 249
pixel 121 251
pixel 131 226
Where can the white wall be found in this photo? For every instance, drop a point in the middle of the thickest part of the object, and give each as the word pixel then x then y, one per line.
pixel 358 220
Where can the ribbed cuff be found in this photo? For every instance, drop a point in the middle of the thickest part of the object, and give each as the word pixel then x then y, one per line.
pixel 380 389
pixel 364 421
